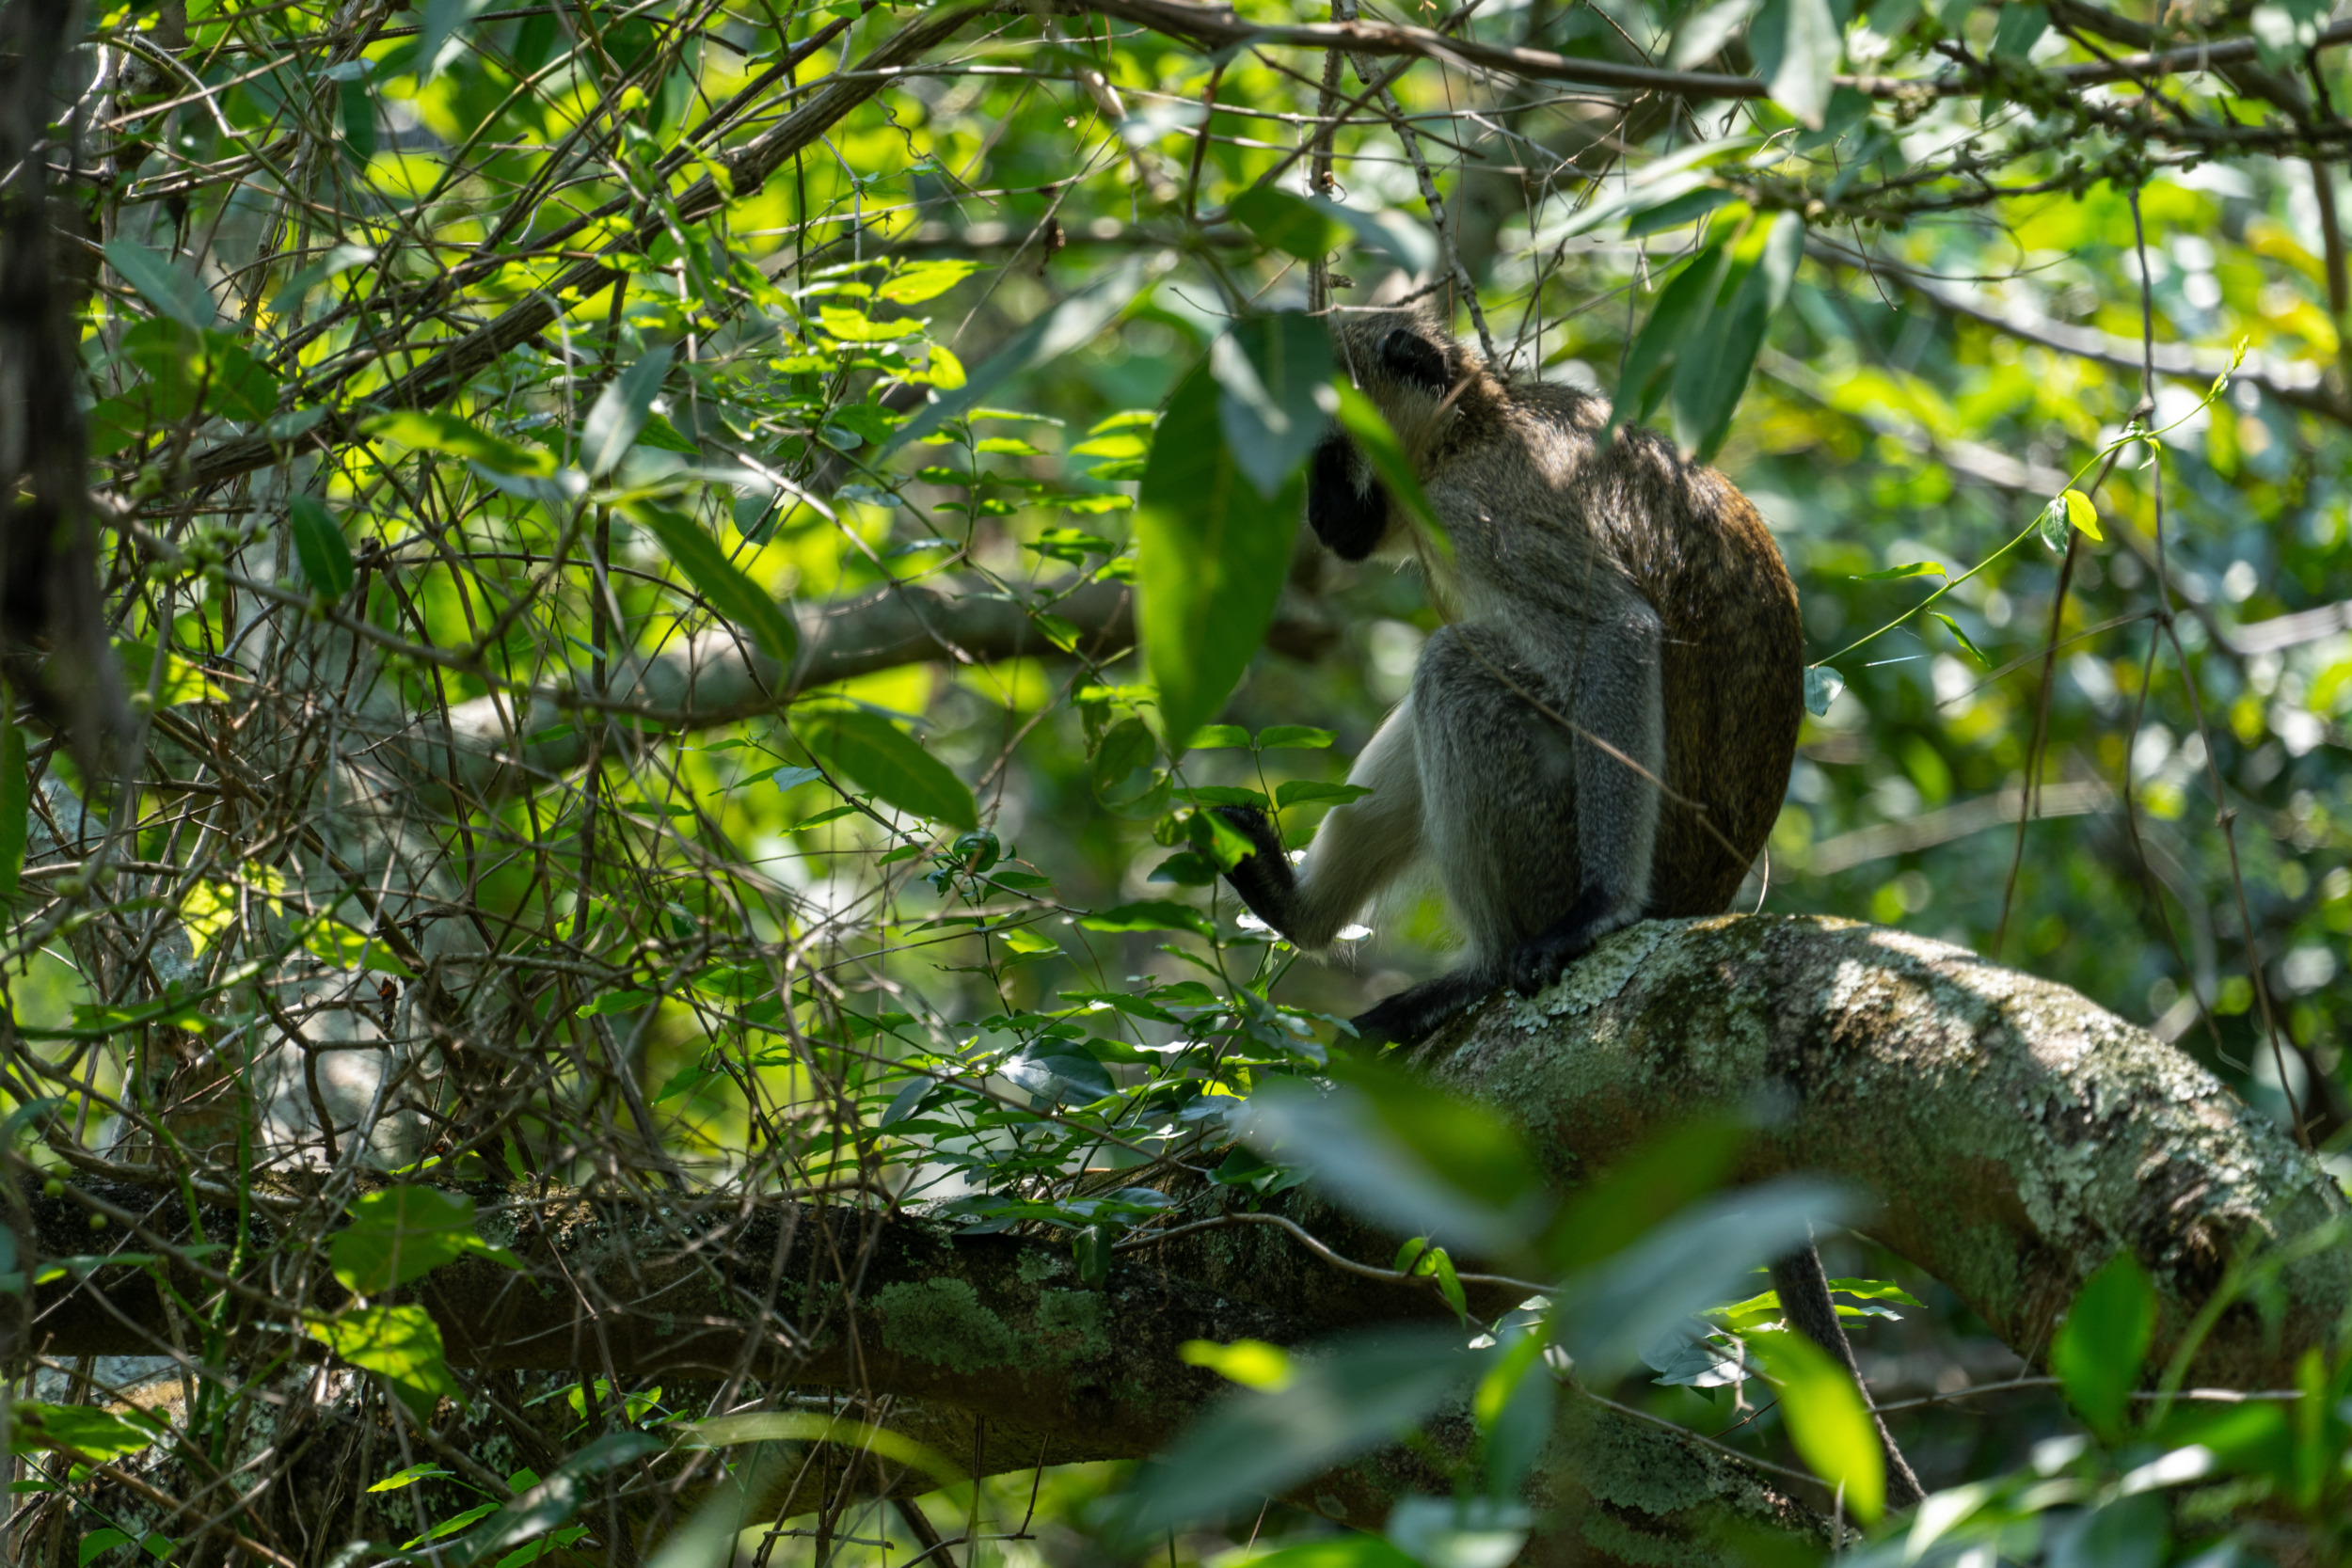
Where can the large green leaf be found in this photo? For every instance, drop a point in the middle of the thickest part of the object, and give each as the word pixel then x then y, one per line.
pixel 1215 553
pixel 428 431
pixel 320 546
pixel 1796 44
pixel 2099 1350
pixel 400 1344
pixel 620 412
pixel 720 581
pixel 84 1429
pixel 1827 1420
pixel 1354 1396
pixel 553 1501
pixel 888 761
pixel 403 1233
pixel 1270 374
pixel 1711 371
pixel 167 285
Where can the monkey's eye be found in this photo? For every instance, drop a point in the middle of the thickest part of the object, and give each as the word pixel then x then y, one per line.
pixel 1415 359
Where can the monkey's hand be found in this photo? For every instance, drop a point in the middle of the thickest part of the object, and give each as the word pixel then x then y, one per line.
pixel 1541 959
pixel 1264 879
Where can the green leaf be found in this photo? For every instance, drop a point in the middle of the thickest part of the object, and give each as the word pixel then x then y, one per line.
pixel 1270 372
pixel 2018 30
pixel 1215 553
pixel 1209 737
pixel 1895 574
pixel 98 1542
pixel 2084 515
pixel 1343 1549
pixel 1821 687
pixel 1311 227
pixel 2100 1349
pixel 334 263
pixel 82 1429
pixel 1070 325
pixel 16 798
pixel 550 1503
pixel 1121 771
pixel 621 412
pixel 404 1233
pixel 1961 637
pixel 1713 372
pixel 1150 914
pixel 921 280
pixel 425 1470
pixel 730 593
pixel 1827 1422
pixel 167 285
pixel 359 117
pixel 1300 737
pixel 414 427
pixel 318 545
pixel 883 758
pixel 1680 317
pixel 1796 44
pixel 1300 792
pixel 347 948
pixel 185 364
pixel 400 1344
pixel 1352 1397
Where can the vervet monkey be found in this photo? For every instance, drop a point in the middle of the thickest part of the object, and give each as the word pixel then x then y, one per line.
pixel 1619 620
pixel 1603 729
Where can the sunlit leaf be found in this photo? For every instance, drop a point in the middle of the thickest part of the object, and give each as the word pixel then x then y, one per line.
pixel 1214 552
pixel 400 1344
pixel 620 412
pixel 891 762
pixel 402 1233
pixel 1061 329
pixel 91 1430
pixel 1827 1420
pixel 166 284
pixel 731 592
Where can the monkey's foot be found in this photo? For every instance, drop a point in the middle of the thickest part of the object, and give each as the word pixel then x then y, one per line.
pixel 1542 959
pixel 1414 1014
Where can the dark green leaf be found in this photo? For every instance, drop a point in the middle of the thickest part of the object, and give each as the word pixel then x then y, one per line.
pixel 318 545
pixel 167 285
pixel 1679 317
pixel 1303 791
pixel 1292 224
pixel 621 412
pixel 1151 914
pixel 891 762
pixel 429 431
pixel 1796 44
pixel 551 1503
pixel 359 117
pixel 1215 553
pixel 2100 1348
pixel 1270 372
pixel 1712 371
pixel 1303 737
pixel 720 581
pixel 402 1233
pixel 1352 1397
pixel 2018 30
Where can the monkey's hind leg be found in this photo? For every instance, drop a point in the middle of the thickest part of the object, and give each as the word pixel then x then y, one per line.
pixel 1802 1285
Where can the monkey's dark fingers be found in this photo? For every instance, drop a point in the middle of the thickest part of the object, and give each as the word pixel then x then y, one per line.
pixel 1255 826
pixel 1263 877
pixel 1540 960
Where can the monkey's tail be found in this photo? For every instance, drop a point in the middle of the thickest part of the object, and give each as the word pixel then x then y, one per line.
pixel 1804 1289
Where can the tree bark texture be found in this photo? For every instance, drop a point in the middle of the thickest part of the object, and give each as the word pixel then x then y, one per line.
pixel 2012 1135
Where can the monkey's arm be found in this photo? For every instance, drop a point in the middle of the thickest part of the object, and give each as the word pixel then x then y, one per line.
pixel 1613 660
pixel 1360 850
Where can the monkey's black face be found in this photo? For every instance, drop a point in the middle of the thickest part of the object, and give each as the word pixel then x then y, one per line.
pixel 1416 361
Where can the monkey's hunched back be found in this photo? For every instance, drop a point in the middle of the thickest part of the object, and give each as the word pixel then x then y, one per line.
pixel 1734 647
pixel 1690 546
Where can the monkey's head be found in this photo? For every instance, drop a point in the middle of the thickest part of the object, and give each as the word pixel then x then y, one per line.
pixel 1412 368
